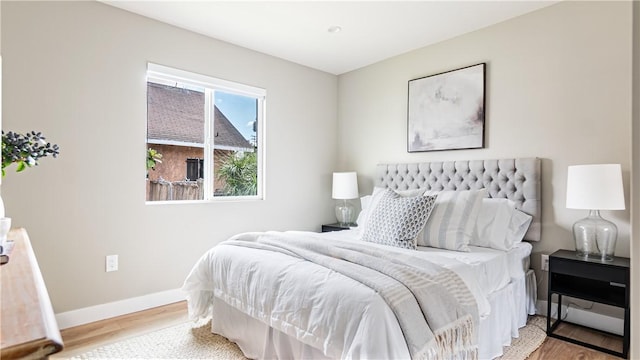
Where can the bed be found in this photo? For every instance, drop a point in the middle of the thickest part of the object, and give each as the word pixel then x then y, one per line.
pixel 313 295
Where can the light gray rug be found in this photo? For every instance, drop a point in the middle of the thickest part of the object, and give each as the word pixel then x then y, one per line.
pixel 531 338
pixel 185 341
pixel 195 341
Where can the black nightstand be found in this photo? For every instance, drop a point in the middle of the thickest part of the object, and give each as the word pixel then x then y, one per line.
pixel 334 227
pixel 591 280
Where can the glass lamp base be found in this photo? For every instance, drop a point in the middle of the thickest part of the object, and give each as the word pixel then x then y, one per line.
pixel 344 213
pixel 595 237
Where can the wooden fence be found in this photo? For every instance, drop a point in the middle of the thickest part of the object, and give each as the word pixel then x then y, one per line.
pixel 162 190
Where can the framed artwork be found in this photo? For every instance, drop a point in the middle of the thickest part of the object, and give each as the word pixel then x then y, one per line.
pixel 446 110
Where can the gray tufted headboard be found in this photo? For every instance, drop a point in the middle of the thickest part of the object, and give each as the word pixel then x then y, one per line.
pixel 515 179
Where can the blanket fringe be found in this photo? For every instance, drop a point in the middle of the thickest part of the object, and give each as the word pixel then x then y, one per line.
pixel 455 341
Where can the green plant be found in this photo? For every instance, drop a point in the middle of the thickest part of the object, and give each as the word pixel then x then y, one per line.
pixel 25 149
pixel 153 158
pixel 240 174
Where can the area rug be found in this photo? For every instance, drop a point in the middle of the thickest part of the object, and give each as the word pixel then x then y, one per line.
pixel 195 341
pixel 530 339
pixel 185 341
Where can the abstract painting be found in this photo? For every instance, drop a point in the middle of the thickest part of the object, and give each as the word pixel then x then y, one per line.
pixel 446 110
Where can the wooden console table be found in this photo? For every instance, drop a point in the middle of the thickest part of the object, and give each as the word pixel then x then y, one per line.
pixel 28 327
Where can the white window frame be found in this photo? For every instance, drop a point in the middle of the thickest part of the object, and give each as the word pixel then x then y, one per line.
pixel 157 72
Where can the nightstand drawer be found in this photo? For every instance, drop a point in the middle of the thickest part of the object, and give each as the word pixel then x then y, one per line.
pixel 605 292
pixel 586 270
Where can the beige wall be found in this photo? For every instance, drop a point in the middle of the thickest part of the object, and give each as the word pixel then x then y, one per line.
pixel 76 72
pixel 558 87
pixel 635 205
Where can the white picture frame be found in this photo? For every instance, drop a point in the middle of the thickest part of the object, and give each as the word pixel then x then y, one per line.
pixel 446 111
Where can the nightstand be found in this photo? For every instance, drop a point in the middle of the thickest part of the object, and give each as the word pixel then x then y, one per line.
pixel 334 227
pixel 591 280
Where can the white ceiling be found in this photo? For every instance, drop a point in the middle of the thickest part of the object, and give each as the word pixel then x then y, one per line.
pixel 298 30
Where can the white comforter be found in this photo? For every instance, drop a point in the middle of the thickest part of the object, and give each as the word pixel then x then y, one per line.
pixel 336 314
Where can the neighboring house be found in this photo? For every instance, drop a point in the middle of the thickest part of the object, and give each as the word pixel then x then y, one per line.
pixel 175 128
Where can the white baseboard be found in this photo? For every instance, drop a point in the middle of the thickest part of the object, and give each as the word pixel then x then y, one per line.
pixel 122 307
pixel 590 319
pixel 104 311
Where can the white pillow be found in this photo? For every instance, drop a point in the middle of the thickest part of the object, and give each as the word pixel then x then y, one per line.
pixel 500 225
pixel 396 220
pixel 366 204
pixel 451 224
pixel 518 226
pixel 493 223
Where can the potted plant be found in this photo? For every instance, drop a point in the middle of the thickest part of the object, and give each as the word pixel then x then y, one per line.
pixel 25 149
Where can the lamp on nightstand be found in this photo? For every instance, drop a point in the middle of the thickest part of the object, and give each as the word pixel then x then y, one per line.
pixel 345 187
pixel 594 188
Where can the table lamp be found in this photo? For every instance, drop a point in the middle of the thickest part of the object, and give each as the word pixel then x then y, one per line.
pixel 594 188
pixel 345 187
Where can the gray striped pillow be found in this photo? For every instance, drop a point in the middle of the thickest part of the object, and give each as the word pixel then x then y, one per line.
pixel 453 219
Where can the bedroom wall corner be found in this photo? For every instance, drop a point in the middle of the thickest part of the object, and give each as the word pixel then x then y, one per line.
pixel 558 88
pixel 635 188
pixel 77 72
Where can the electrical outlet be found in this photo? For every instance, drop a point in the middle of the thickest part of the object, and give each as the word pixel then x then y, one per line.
pixel 544 261
pixel 111 263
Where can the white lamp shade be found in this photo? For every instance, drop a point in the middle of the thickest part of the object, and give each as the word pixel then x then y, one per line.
pixel 345 185
pixel 595 187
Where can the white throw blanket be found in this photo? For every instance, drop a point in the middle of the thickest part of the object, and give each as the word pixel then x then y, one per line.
pixel 434 309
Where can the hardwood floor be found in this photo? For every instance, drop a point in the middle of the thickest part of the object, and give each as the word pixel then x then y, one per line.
pixel 80 339
pixel 558 349
pixel 83 338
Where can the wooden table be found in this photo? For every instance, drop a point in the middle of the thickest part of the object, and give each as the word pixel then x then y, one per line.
pixel 28 326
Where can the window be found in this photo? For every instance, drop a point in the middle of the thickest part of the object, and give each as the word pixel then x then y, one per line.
pixel 204 137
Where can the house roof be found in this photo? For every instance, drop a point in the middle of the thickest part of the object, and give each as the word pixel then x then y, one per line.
pixel 176 115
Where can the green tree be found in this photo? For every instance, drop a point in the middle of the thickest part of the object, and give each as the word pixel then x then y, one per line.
pixel 153 158
pixel 240 174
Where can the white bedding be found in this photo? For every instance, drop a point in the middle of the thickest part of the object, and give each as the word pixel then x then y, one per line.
pixel 484 270
pixel 336 314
